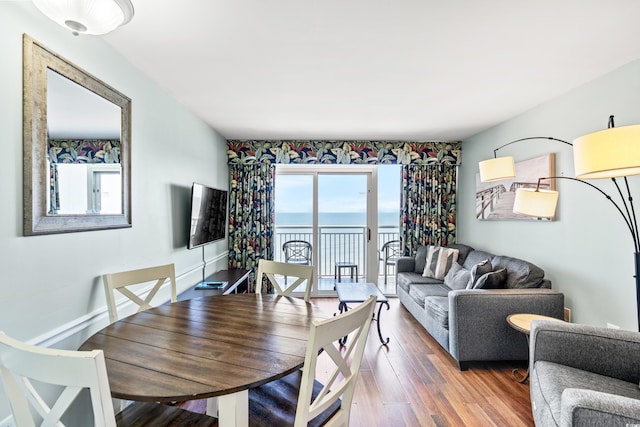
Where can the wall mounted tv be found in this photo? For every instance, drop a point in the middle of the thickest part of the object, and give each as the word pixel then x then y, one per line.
pixel 208 215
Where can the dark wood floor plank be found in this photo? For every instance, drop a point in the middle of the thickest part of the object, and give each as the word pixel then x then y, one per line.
pixel 415 383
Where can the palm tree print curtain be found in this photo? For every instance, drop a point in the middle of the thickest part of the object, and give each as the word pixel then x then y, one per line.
pixel 251 214
pixel 429 187
pixel 78 151
pixel 428 206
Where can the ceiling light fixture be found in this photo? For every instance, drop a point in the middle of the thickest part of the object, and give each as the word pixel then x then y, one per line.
pixel 87 16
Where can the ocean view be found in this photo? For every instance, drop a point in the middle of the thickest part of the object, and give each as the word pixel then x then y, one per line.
pixel 385 219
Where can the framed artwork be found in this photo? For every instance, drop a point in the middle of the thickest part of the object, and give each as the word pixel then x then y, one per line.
pixel 494 200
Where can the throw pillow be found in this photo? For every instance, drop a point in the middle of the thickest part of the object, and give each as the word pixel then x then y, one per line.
pixel 439 261
pixel 493 280
pixel 457 277
pixel 477 271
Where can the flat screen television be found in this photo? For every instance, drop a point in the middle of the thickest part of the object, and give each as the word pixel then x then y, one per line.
pixel 208 215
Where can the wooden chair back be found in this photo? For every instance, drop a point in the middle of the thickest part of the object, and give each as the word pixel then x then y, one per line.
pixel 270 269
pixel 123 280
pixel 343 372
pixel 25 369
pixel 22 364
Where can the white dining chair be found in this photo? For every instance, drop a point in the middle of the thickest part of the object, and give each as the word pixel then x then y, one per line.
pixel 121 282
pixel 301 273
pixel 301 399
pixel 26 368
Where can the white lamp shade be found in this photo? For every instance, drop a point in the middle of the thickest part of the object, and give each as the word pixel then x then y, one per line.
pixel 497 169
pixel 87 16
pixel 608 153
pixel 538 203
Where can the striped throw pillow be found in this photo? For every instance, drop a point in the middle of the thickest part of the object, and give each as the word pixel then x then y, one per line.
pixel 439 261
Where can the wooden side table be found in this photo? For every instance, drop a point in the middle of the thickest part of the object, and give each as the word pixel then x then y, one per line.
pixel 521 322
pixel 233 279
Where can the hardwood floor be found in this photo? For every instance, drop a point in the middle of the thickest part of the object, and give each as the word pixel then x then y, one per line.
pixel 414 382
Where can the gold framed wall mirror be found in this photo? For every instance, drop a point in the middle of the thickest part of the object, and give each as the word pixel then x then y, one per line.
pixel 77 147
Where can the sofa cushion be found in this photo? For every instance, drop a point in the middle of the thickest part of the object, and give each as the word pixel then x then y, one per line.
pixel 420 292
pixel 475 257
pixel 457 277
pixel 404 280
pixel 492 280
pixel 520 274
pixel 477 271
pixel 437 308
pixel 439 261
pixel 553 379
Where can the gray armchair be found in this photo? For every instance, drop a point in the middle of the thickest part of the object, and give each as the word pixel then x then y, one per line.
pixel 583 375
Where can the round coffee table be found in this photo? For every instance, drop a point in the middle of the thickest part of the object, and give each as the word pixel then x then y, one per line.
pixel 522 322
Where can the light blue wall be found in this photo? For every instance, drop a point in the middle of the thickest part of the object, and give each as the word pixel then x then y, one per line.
pixel 588 251
pixel 51 282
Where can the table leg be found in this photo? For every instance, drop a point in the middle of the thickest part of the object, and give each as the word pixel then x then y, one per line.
pixel 343 308
pixel 232 409
pixel 212 407
pixel 515 370
pixel 382 340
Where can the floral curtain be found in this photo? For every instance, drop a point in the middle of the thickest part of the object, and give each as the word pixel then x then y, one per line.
pixel 429 182
pixel 428 213
pixel 77 151
pixel 251 215
pixel 84 151
pixel 344 152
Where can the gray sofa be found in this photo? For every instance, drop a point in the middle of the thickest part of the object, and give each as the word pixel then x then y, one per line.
pixel 471 323
pixel 583 375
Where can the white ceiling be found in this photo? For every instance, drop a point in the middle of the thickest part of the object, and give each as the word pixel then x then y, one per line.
pixel 374 69
pixel 75 112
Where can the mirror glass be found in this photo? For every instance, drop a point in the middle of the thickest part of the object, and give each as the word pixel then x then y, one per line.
pixel 76 137
pixel 83 145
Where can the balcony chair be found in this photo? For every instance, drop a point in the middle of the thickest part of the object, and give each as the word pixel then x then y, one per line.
pixel 122 280
pixel 269 269
pixel 297 252
pixel 26 368
pixel 389 254
pixel 300 398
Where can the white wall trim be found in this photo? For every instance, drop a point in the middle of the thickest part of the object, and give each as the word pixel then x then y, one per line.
pixel 78 325
pixel 184 281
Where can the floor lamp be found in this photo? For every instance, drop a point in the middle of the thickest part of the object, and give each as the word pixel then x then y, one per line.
pixel 610 153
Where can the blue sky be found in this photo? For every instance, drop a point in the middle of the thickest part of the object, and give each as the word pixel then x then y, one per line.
pixel 338 193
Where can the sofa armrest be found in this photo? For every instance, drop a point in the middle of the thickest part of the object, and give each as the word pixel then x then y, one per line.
pixel 405 264
pixel 582 407
pixel 478 329
pixel 603 351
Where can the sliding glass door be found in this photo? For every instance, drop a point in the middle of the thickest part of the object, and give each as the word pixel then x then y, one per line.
pixel 333 208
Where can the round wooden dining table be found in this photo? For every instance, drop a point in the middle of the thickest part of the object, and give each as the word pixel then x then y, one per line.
pixel 209 347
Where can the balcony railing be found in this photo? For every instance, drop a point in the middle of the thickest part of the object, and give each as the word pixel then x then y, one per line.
pixel 335 243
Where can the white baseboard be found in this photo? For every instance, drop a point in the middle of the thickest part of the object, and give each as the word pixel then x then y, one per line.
pixel 100 315
pixel 96 320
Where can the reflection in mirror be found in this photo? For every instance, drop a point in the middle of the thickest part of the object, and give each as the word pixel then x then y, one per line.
pixel 76 147
pixel 83 150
